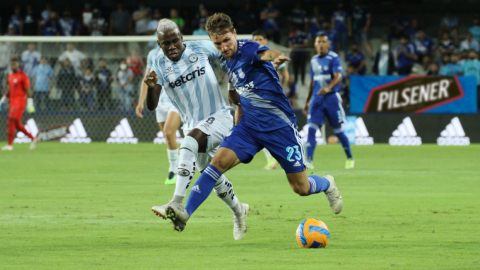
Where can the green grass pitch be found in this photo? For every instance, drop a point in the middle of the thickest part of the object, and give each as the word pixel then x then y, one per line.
pixel 88 207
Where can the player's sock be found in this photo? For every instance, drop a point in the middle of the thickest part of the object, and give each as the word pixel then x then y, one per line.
pixel 311 141
pixel 173 159
pixel 24 130
pixel 11 131
pixel 224 190
pixel 344 141
pixel 186 167
pixel 202 188
pixel 318 184
pixel 267 154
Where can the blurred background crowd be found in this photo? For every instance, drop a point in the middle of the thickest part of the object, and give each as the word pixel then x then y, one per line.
pixel 372 38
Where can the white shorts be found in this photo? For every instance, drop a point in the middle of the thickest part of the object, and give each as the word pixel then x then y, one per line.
pixel 217 126
pixel 162 112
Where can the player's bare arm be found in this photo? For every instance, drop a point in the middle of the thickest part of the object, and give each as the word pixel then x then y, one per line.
pixel 309 96
pixel 153 91
pixel 277 57
pixel 284 78
pixel 142 96
pixel 337 78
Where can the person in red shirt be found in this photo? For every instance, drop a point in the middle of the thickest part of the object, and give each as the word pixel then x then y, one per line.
pixel 18 90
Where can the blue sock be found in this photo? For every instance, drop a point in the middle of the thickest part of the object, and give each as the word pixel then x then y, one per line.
pixel 202 188
pixel 345 144
pixel 318 184
pixel 311 143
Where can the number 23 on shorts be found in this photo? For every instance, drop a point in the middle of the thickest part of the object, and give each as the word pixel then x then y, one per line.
pixel 293 150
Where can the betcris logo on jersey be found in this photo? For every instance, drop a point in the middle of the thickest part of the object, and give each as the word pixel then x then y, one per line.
pixel 190 76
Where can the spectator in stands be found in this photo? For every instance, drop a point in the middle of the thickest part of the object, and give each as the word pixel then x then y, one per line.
pixel 141 17
pixel 384 63
pixel 298 18
pixel 446 45
pixel 124 80
pixel 469 43
pixel 67 82
pixel 292 92
pixel 361 19
pixel 16 20
pixel 136 65
pixel 245 20
pixel 42 80
pixel 297 42
pixel 316 23
pixel 120 21
pixel 449 24
pixel 87 15
pixel 6 50
pixel 201 30
pixel 342 24
pixel 175 17
pixel 153 24
pixel 30 27
pixel 75 56
pixel 30 59
pixel 433 71
pixel 406 57
pixel 45 15
pixel 87 83
pixel 423 45
pixel 475 29
pixel 413 29
pixel 424 67
pixel 104 81
pixel 452 68
pixel 69 25
pixel 471 67
pixel 356 59
pixel 51 27
pixel 271 24
pixel 398 26
pixel 98 25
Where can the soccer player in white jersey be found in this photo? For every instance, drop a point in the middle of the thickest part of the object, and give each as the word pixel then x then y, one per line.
pixel 261 38
pixel 168 119
pixel 184 73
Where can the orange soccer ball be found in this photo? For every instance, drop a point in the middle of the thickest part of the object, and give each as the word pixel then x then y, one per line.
pixel 312 233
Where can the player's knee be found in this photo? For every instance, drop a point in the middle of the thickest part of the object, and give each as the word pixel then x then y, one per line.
pixel 170 134
pixel 301 189
pixel 190 144
pixel 221 163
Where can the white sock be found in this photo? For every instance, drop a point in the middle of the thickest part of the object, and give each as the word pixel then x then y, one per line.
pixel 186 171
pixel 224 190
pixel 173 159
pixel 267 154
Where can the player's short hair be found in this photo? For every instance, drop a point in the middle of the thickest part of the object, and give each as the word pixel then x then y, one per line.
pixel 219 23
pixel 165 25
pixel 260 32
pixel 323 35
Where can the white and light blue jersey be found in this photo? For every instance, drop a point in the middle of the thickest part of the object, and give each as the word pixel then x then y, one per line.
pixel 264 104
pixel 190 83
pixel 322 70
pixel 164 100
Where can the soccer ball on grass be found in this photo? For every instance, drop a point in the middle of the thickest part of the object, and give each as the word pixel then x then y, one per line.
pixel 312 233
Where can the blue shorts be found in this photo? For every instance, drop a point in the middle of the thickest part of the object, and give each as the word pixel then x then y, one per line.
pixel 330 106
pixel 284 144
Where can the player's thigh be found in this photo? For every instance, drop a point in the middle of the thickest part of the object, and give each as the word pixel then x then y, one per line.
pixel 216 126
pixel 286 147
pixel 241 140
pixel 173 122
pixel 334 110
pixel 316 114
pixel 16 111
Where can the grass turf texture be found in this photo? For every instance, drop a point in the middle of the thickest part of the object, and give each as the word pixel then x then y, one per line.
pixel 88 206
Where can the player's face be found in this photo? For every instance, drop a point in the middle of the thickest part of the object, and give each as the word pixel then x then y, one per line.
pixel 171 43
pixel 260 40
pixel 14 66
pixel 322 44
pixel 226 43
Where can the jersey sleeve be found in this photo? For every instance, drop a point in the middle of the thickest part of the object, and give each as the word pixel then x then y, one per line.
pixel 150 59
pixel 250 51
pixel 209 49
pixel 337 65
pixel 159 74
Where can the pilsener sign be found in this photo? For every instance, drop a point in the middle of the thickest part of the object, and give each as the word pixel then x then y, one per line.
pixel 418 94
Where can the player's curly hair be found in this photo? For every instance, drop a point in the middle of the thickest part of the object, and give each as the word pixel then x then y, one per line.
pixel 219 24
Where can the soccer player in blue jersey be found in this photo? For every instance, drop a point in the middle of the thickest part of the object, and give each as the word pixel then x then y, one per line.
pixel 184 73
pixel 268 121
pixel 325 82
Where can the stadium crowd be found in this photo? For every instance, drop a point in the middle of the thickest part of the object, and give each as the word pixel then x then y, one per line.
pixel 450 52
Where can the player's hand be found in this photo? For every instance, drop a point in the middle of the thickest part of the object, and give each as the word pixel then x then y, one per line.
pixel 233 97
pixel 151 79
pixel 325 90
pixel 139 109
pixel 30 107
pixel 305 109
pixel 280 60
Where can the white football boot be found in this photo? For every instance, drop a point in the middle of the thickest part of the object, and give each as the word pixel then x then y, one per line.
pixel 7 148
pixel 178 216
pixel 161 211
pixel 33 144
pixel 335 200
pixel 239 226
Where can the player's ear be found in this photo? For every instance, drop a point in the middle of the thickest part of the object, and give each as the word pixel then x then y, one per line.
pixel 235 32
